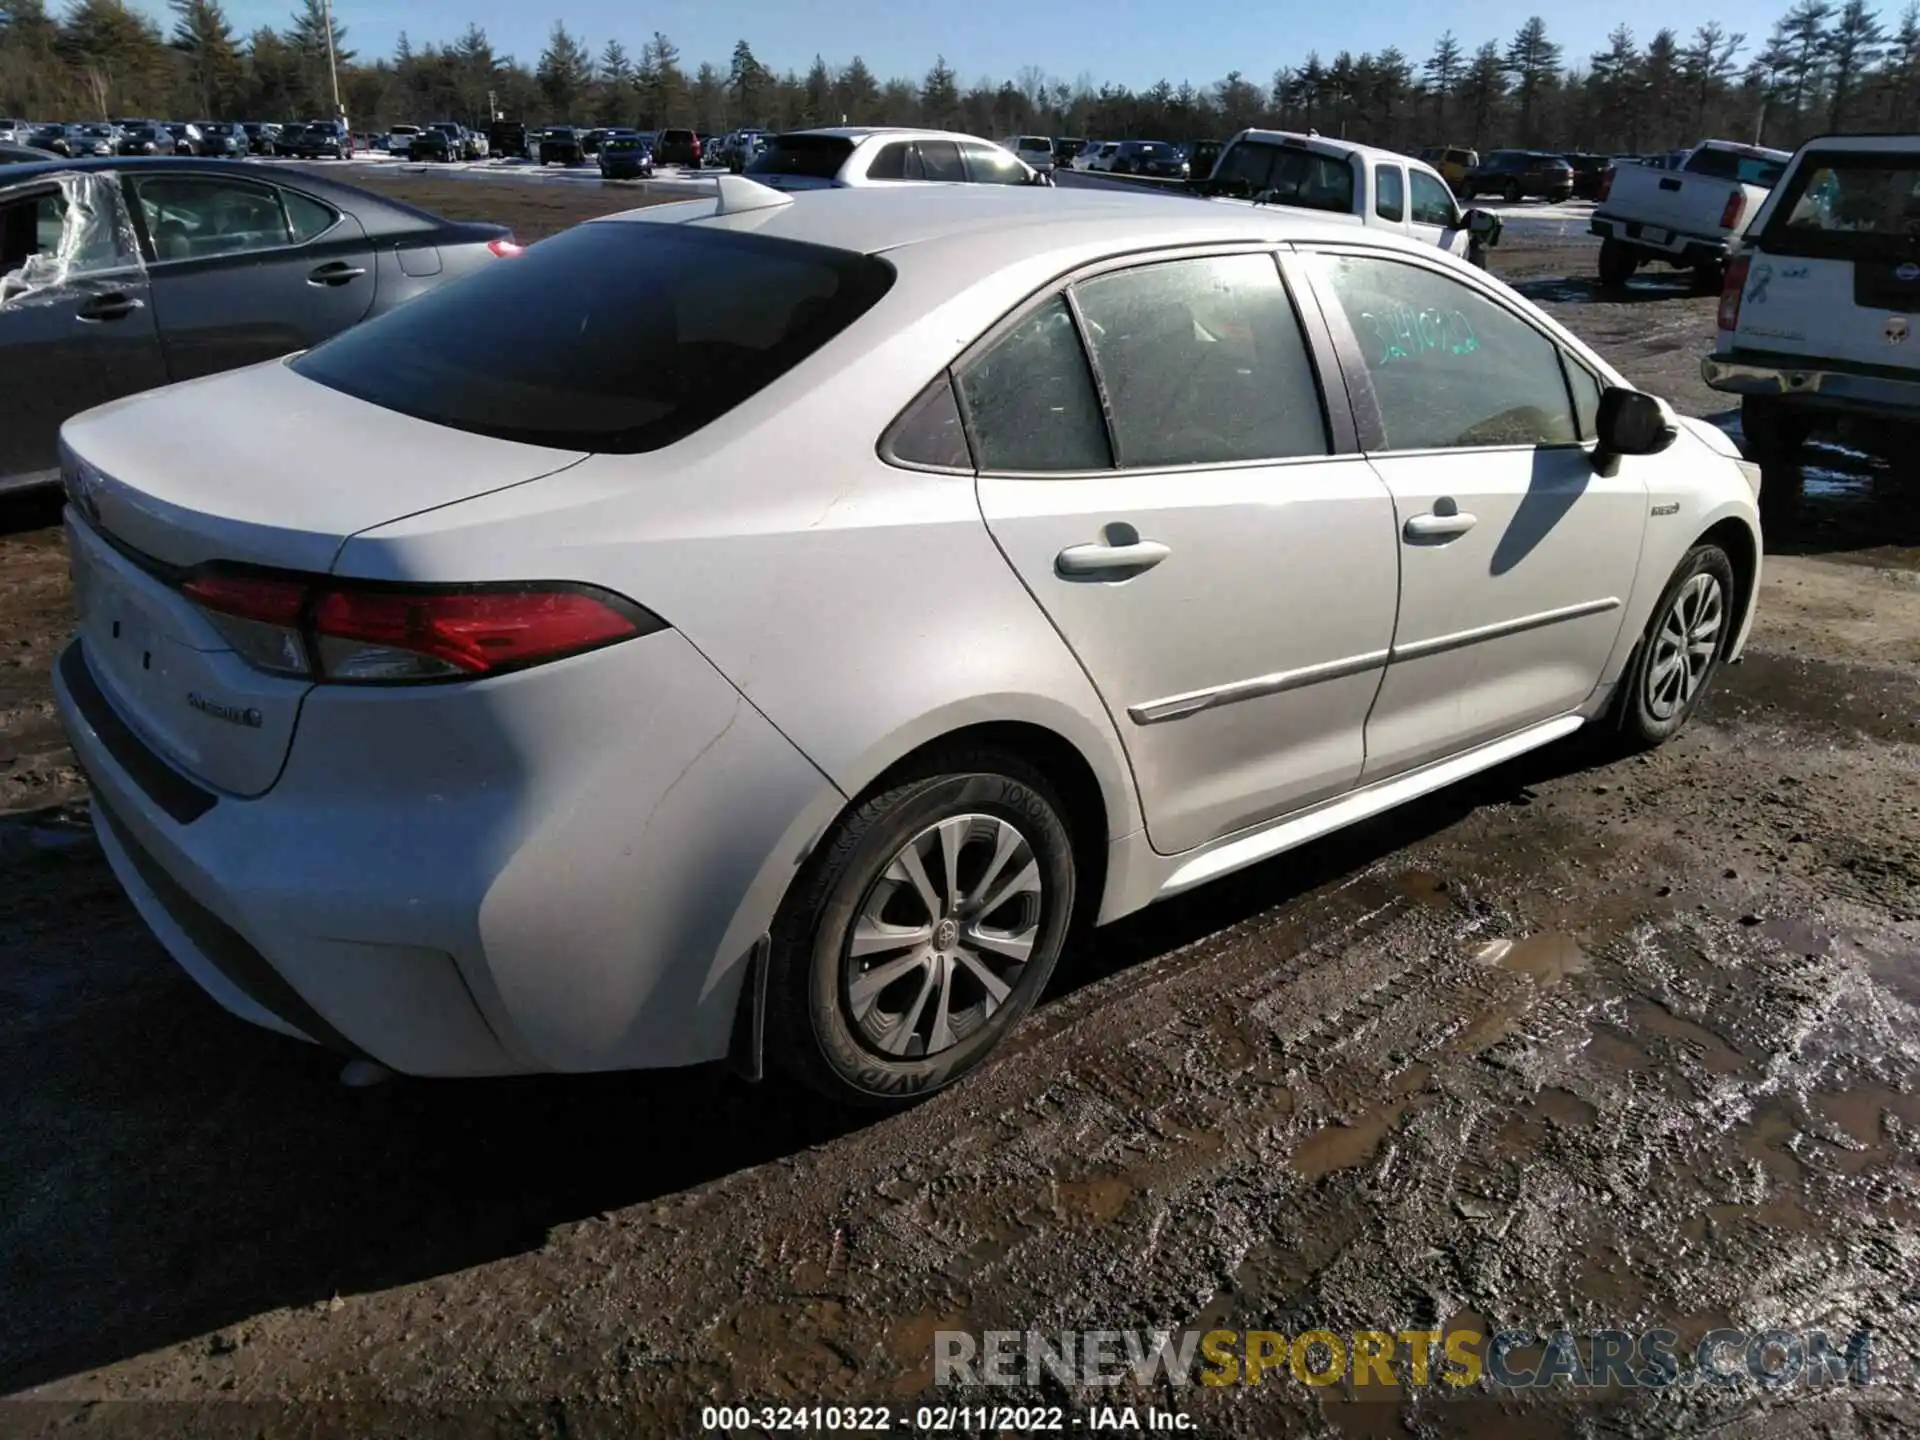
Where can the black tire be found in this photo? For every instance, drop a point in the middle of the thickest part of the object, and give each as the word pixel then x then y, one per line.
pixel 1514 193
pixel 1776 434
pixel 1646 710
pixel 1617 264
pixel 812 1031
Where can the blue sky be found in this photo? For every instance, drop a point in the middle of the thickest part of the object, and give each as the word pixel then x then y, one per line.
pixel 1127 41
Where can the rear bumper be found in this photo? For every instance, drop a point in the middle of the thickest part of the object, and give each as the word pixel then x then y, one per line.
pixel 1815 385
pixel 1681 249
pixel 559 870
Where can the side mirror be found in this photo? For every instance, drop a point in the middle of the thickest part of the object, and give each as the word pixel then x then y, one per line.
pixel 1484 226
pixel 1041 177
pixel 1631 422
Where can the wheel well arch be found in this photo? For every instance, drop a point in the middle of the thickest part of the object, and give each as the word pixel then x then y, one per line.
pixel 1073 779
pixel 1736 537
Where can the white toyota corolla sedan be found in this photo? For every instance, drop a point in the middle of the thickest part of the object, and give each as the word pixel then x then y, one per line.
pixel 765 626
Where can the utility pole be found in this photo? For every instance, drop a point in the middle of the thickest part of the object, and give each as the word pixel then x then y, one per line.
pixel 333 67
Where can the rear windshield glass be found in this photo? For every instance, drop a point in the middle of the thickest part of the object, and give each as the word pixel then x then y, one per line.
pixel 1285 176
pixel 819 156
pixel 1730 165
pixel 1035 142
pixel 615 336
pixel 1850 204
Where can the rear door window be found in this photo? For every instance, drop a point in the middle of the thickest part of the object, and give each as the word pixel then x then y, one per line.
pixel 193 218
pixel 613 336
pixel 1390 198
pixel 940 160
pixel 1203 362
pixel 1029 400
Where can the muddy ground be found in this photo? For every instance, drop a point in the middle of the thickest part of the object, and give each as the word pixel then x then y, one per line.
pixel 1583 1043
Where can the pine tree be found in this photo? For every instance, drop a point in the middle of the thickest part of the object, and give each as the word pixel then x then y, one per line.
pixel 940 96
pixel 565 71
pixel 614 98
pixel 1442 71
pixel 1855 44
pixel 1532 60
pixel 210 55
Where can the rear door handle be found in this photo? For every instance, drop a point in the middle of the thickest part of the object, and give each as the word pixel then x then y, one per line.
pixel 334 272
pixel 107 307
pixel 1436 526
pixel 1104 559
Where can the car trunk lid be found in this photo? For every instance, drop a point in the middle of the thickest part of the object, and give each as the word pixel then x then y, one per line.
pixel 260 467
pixel 263 466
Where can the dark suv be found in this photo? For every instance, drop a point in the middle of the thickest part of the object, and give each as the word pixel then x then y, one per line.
pixel 508 138
pixel 319 140
pixel 561 144
pixel 1587 170
pixel 146 137
pixel 1520 175
pixel 677 147
pixel 1150 157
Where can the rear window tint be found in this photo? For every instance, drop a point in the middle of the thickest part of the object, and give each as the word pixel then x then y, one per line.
pixel 1285 175
pixel 817 156
pixel 614 336
pixel 1729 165
pixel 1843 204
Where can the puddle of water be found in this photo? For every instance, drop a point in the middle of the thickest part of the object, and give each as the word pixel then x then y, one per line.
pixel 1549 958
pixel 1341 1147
pixel 1564 1108
pixel 1861 1115
pixel 1713 1052
pixel 1099 1199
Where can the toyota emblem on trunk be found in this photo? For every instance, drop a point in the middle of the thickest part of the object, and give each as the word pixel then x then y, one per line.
pixel 1896 329
pixel 1907 273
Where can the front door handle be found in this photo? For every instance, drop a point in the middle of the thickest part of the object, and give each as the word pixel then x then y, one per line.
pixel 1440 525
pixel 107 307
pixel 334 272
pixel 1104 559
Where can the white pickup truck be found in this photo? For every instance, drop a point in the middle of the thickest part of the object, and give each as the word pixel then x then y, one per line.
pixel 1365 186
pixel 1818 318
pixel 1691 218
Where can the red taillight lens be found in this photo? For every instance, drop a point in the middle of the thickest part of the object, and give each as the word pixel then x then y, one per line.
pixel 506 248
pixel 399 635
pixel 1736 206
pixel 308 626
pixel 1731 289
pixel 1606 184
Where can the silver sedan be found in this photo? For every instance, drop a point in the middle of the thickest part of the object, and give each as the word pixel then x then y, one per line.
pixel 767 627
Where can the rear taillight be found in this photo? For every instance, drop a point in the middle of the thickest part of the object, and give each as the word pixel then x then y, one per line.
pixel 1731 289
pixel 368 634
pixel 1736 206
pixel 1606 184
pixel 506 248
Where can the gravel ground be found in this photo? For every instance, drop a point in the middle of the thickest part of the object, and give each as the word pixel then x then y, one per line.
pixel 1580 1043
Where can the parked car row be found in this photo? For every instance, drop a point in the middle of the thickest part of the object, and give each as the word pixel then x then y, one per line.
pixel 202 139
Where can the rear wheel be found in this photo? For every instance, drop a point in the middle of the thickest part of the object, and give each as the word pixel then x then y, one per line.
pixel 1681 651
pixel 1514 193
pixel 921 931
pixel 1617 263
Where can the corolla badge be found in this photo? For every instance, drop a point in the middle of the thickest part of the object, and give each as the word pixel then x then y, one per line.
pixel 1896 329
pixel 245 715
pixel 1907 273
pixel 1757 285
